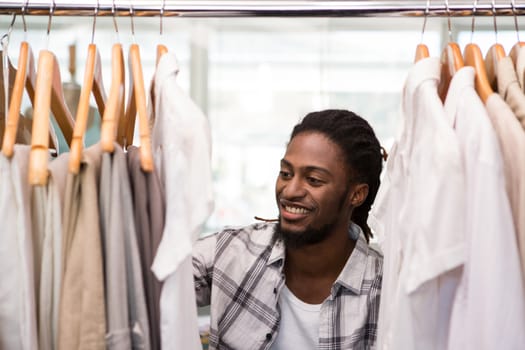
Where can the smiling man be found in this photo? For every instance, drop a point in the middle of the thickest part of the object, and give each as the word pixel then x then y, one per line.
pixel 310 280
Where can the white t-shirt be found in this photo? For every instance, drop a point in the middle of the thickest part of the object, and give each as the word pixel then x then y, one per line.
pixel 299 326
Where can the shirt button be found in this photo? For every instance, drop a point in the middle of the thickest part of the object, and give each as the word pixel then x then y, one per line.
pixel 269 336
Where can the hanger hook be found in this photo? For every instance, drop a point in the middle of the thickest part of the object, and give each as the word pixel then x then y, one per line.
pixel 113 12
pixel 24 10
pixel 473 21
pixel 5 38
pixel 162 14
pixel 51 12
pixel 131 13
pixel 494 17
pixel 513 4
pixel 132 23
pixel 448 19
pixel 11 26
pixel 427 10
pixel 94 22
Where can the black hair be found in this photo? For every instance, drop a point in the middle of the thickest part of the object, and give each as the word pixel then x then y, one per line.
pixel 361 149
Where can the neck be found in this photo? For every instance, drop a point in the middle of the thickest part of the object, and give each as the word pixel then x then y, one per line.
pixel 312 270
pixel 320 260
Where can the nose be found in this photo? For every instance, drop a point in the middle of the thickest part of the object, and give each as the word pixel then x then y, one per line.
pixel 293 188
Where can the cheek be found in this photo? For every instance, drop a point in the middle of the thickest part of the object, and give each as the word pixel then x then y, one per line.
pixel 278 186
pixel 330 202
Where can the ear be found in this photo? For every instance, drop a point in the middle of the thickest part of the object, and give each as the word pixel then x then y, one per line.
pixel 358 194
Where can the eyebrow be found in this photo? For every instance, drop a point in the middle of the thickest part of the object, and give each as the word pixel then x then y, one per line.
pixel 308 168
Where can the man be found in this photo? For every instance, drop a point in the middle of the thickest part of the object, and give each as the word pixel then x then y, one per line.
pixel 309 281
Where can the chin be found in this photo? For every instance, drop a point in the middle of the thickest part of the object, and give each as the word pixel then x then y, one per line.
pixel 301 237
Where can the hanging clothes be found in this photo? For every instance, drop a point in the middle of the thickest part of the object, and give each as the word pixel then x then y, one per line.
pixel 511 138
pixel 18 327
pixel 182 150
pixel 82 319
pixel 520 67
pixel 421 238
pixel 491 289
pixel 509 88
pixel 127 319
pixel 149 211
pixel 47 243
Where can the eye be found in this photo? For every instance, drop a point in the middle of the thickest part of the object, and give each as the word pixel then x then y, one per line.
pixel 283 174
pixel 314 181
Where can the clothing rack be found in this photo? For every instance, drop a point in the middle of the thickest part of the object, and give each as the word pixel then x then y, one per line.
pixel 262 8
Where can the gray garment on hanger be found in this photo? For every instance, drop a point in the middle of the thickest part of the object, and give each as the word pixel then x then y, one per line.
pixel 18 328
pixel 149 212
pixel 47 254
pixel 127 318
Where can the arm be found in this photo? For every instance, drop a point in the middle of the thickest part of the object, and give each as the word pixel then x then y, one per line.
pixel 203 259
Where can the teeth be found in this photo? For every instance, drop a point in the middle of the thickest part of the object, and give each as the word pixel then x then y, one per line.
pixel 295 210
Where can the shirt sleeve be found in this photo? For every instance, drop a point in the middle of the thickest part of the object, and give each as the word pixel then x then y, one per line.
pixel 203 258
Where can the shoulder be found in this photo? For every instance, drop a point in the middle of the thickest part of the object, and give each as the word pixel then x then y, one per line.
pixel 233 242
pixel 370 260
pixel 375 260
pixel 252 239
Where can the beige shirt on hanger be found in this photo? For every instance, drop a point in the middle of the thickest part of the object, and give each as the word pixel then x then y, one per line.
pixel 510 89
pixel 512 143
pixel 520 67
pixel 82 317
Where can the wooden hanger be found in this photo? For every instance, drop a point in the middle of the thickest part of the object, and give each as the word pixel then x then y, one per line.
pixel 515 51
pixel 494 54
pixel 115 102
pixel 24 80
pixel 421 52
pixel 58 104
pixel 473 57
pixel 11 73
pixel 519 44
pixel 92 84
pixel 162 49
pixel 38 157
pixel 451 62
pixel 422 49
pixel 138 104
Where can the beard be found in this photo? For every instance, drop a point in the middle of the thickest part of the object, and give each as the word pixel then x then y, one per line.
pixel 307 237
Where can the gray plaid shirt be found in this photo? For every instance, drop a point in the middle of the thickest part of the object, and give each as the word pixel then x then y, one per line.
pixel 239 270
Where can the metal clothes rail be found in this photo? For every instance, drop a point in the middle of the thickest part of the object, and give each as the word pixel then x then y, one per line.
pixel 262 8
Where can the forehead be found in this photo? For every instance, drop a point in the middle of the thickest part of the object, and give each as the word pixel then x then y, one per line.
pixel 314 149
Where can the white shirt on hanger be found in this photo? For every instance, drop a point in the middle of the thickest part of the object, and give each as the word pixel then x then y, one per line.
pixel 182 149
pixel 489 308
pixel 418 219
